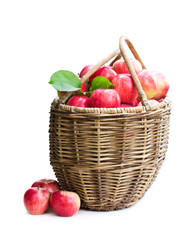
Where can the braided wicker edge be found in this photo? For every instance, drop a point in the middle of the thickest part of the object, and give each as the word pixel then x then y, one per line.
pixel 59 105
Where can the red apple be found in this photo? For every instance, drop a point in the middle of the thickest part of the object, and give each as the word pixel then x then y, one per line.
pixel 86 69
pixel 49 184
pixel 135 102
pixel 162 85
pixel 124 85
pixel 83 87
pixel 151 102
pixel 105 98
pixel 123 105
pixel 105 71
pixel 120 66
pixel 79 101
pixel 36 200
pixel 65 203
pixel 148 83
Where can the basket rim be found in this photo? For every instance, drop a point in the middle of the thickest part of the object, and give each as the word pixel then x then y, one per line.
pixel 57 103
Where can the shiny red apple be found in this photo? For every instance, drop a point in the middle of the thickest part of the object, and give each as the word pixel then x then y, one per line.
pixel 86 69
pixel 120 66
pixel 79 101
pixel 105 71
pixel 150 102
pixel 162 85
pixel 124 85
pixel 36 200
pixel 65 203
pixel 148 82
pixel 105 98
pixel 48 184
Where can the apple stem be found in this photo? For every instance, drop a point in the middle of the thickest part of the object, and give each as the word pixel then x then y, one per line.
pixel 38 187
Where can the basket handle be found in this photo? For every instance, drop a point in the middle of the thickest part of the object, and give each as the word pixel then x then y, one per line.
pixel 100 64
pixel 123 43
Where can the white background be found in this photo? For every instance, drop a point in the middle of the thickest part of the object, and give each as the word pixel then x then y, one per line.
pixel 41 37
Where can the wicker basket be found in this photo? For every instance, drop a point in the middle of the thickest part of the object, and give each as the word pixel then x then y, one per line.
pixel 109 156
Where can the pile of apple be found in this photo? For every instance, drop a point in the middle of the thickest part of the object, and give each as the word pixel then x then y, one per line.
pixel 46 193
pixel 111 86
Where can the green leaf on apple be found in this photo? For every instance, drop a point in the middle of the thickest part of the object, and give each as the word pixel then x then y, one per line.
pixel 100 82
pixel 65 80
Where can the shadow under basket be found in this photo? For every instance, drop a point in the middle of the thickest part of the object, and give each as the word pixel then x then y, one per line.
pixel 110 157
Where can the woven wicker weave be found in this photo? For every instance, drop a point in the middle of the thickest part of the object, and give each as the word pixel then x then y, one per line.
pixel 109 156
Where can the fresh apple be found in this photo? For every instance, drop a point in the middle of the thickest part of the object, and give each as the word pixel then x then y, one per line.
pixel 124 105
pixel 36 200
pixel 86 69
pixel 49 184
pixel 120 66
pixel 135 102
pixel 162 85
pixel 65 203
pixel 105 71
pixel 124 85
pixel 105 98
pixel 148 82
pixel 79 101
pixel 150 102
pixel 83 87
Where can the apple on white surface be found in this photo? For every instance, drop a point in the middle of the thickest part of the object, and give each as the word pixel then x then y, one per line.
pixel 48 184
pixel 36 200
pixel 65 203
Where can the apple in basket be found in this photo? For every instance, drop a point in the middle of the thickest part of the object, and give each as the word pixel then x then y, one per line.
pixel 120 66
pixel 105 98
pixel 86 69
pixel 105 71
pixel 49 184
pixel 79 101
pixel 162 85
pixel 65 203
pixel 124 85
pixel 36 200
pixel 124 105
pixel 150 102
pixel 148 82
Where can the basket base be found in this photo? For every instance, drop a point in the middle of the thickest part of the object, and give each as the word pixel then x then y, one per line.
pixel 110 207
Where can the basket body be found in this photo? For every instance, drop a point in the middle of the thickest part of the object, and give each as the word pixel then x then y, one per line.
pixel 109 157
